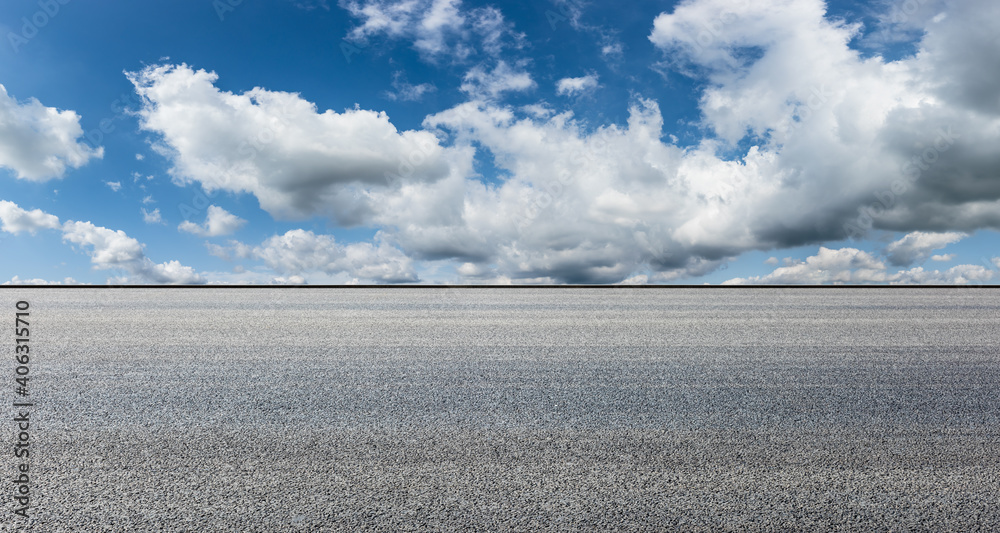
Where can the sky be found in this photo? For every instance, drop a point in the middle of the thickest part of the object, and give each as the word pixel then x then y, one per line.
pixel 549 142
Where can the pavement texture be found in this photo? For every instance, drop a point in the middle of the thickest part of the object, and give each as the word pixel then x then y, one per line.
pixel 511 410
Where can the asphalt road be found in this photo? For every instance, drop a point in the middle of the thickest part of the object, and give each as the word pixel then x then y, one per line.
pixel 510 410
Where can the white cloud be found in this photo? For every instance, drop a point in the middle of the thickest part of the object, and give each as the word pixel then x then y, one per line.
pixel 944 258
pixel 38 281
pixel 139 157
pixel 580 206
pixel 574 86
pixel 16 220
pixel 866 129
pixel 392 18
pixel 148 200
pixel 853 266
pixel 39 143
pixel 843 266
pixel 108 249
pixel 296 161
pixel 114 185
pixel 957 275
pixel 300 252
pixel 613 50
pixel 495 34
pixel 152 217
pixel 437 28
pixel 217 222
pixel 290 280
pixel 479 83
pixel 428 22
pixel 916 247
pixel 442 17
pixel 771 261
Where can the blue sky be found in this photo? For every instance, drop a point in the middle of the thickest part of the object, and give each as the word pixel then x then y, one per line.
pixel 447 141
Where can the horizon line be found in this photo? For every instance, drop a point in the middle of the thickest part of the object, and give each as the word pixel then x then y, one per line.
pixel 512 286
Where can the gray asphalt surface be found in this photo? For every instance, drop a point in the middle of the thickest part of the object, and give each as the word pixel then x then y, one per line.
pixel 512 410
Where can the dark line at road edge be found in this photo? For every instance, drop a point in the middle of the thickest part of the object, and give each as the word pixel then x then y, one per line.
pixel 205 286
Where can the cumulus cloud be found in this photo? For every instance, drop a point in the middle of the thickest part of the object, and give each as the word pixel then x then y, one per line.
pixel 574 86
pixel 16 220
pixel 111 249
pixel 39 143
pixel 580 206
pixel 114 185
pixel 300 252
pixel 218 222
pixel 916 247
pixel 944 258
pixel 298 162
pixel 108 249
pixel 847 132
